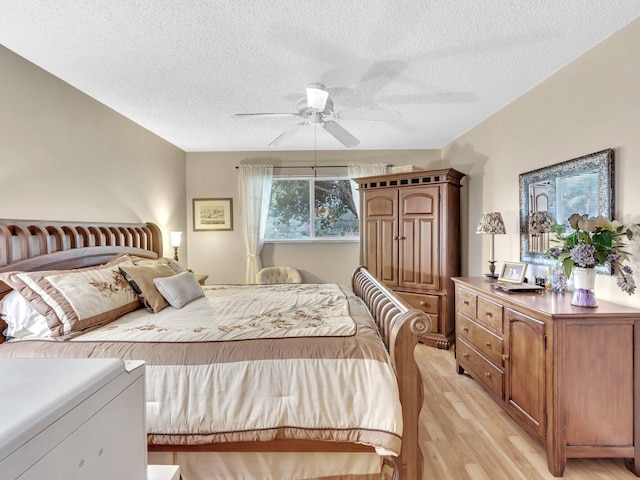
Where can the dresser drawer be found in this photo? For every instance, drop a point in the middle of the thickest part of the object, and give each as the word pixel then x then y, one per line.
pixel 466 302
pixel 480 368
pixel 487 343
pixel 490 314
pixel 426 303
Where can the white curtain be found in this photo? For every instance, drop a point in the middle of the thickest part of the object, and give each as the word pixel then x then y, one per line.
pixel 254 185
pixel 364 170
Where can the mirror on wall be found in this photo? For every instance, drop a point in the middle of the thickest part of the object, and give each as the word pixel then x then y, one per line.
pixel 554 193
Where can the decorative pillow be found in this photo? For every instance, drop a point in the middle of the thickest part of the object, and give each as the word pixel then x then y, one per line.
pixel 179 289
pixel 174 264
pixel 21 318
pixel 140 277
pixel 73 300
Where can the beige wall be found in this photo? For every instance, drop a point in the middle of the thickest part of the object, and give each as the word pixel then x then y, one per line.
pixel 222 255
pixel 590 105
pixel 65 156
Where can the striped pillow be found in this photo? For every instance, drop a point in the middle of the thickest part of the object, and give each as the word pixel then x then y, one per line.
pixel 74 300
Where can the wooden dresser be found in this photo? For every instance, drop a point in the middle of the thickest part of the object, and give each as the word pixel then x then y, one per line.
pixel 410 240
pixel 568 375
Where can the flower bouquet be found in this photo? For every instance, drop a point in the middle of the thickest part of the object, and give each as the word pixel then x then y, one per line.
pixel 594 241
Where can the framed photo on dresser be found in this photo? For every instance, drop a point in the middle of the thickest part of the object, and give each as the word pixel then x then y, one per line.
pixel 513 272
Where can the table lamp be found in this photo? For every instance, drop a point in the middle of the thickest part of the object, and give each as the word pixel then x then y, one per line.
pixel 539 226
pixel 175 243
pixel 492 224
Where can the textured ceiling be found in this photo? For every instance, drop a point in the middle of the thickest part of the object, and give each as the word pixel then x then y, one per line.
pixel 182 68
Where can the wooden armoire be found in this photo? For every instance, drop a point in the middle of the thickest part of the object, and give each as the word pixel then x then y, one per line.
pixel 410 240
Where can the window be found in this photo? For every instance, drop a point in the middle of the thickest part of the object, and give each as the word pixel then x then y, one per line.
pixel 310 208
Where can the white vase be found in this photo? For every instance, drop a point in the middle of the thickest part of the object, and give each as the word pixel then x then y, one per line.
pixel 584 283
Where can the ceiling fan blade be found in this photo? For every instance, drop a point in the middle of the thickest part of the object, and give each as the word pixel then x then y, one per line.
pixel 341 134
pixel 371 115
pixel 272 115
pixel 287 134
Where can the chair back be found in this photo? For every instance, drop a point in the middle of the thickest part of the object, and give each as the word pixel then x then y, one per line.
pixel 278 275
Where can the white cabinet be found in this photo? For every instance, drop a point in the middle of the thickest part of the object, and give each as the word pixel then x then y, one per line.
pixel 72 419
pixel 163 472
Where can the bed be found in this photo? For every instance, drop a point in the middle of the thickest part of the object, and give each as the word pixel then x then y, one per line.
pixel 337 362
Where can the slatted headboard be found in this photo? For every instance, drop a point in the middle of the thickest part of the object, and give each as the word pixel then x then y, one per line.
pixel 33 245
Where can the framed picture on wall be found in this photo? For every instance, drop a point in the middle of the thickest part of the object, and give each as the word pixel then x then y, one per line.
pixel 212 214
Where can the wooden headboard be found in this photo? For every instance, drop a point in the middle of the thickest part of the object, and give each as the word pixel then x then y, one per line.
pixel 33 245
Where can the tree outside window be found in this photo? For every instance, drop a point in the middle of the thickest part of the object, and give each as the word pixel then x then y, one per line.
pixel 311 208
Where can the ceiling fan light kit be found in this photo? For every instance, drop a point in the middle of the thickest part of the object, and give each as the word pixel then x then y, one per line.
pixel 318 112
pixel 317 96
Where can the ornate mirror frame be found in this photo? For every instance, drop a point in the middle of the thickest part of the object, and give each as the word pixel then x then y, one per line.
pixel 600 163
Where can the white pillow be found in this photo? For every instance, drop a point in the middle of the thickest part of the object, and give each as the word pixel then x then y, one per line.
pixel 179 289
pixel 21 318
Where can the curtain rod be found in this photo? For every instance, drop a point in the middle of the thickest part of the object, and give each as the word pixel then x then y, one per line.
pixel 312 167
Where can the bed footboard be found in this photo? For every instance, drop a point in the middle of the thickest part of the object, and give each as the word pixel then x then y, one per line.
pixel 400 328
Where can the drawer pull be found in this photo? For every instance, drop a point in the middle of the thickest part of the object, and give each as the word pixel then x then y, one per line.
pixel 505 356
pixel 487 344
pixel 465 329
pixel 465 355
pixel 423 303
pixel 489 314
pixel 487 374
pixel 466 302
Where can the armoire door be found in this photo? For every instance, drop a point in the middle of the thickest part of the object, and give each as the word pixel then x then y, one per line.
pixel 419 249
pixel 379 241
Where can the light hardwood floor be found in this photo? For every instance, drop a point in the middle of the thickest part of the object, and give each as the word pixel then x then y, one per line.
pixel 464 434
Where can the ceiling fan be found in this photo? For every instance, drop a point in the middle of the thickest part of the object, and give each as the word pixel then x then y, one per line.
pixel 317 110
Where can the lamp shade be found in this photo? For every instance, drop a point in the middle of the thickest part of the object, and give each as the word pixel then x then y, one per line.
pixel 175 238
pixel 539 223
pixel 491 223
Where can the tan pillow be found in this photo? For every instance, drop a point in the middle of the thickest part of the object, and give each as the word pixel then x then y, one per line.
pixel 140 277
pixel 174 264
pixel 73 300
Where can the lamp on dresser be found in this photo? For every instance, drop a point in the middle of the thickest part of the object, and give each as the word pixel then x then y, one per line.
pixel 539 228
pixel 176 237
pixel 491 223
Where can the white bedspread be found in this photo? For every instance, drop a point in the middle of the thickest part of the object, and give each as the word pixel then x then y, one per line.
pixel 253 363
pixel 241 312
